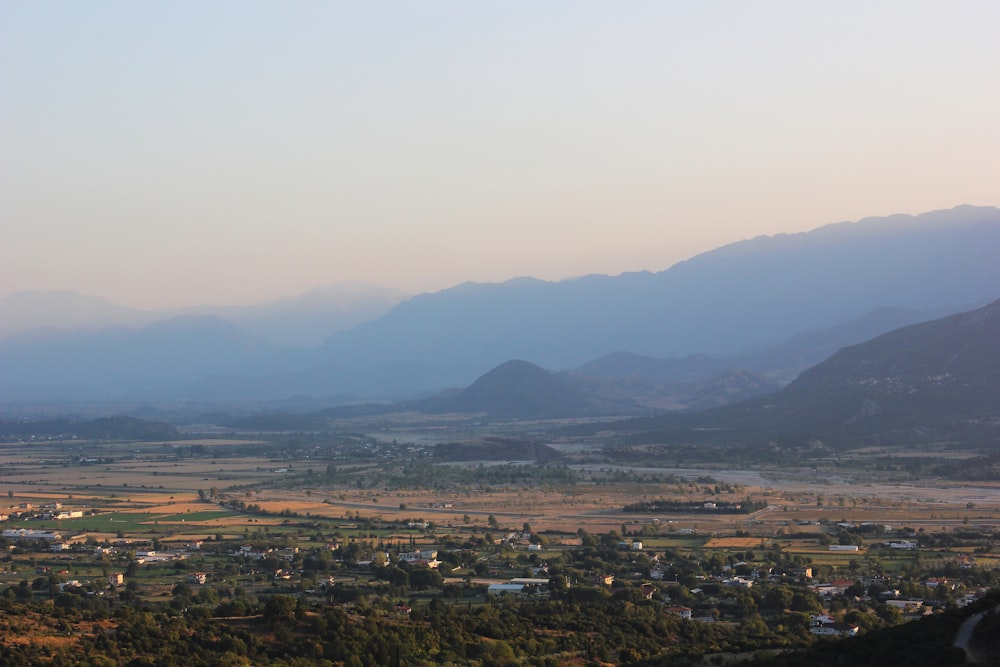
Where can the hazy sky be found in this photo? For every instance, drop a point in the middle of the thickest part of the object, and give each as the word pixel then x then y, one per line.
pixel 174 153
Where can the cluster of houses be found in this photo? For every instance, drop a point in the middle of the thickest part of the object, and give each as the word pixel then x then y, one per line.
pixel 260 553
pixel 428 558
pixel 45 512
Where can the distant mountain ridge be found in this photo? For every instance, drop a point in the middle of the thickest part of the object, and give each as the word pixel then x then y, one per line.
pixel 781 362
pixel 922 382
pixel 30 310
pixel 123 358
pixel 303 320
pixel 942 371
pixel 308 319
pixel 746 296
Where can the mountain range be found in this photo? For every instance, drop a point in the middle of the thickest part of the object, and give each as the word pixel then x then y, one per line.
pixel 305 320
pixel 937 381
pixel 769 306
pixel 934 381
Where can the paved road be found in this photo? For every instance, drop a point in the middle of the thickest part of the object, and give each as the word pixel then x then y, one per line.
pixel 965 634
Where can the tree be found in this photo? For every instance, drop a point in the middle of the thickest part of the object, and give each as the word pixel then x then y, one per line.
pixel 426 578
pixel 779 597
pixel 279 611
pixel 182 590
pixel 105 564
pixel 806 602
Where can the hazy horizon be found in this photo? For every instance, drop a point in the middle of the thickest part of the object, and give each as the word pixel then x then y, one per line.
pixel 359 287
pixel 166 156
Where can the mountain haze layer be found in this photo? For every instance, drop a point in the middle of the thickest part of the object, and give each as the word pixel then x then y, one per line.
pixel 748 294
pixel 724 312
pixel 303 320
pixel 925 382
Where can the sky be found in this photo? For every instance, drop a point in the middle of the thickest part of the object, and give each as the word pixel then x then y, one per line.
pixel 165 154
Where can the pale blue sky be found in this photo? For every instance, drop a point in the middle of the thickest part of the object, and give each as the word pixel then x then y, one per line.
pixel 174 153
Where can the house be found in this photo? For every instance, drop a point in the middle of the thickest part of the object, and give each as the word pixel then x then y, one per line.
pixel 525 581
pixel 255 553
pixel 647 591
pixel 965 561
pixel 834 629
pixel 968 599
pixel 428 558
pixel 903 544
pixel 197 578
pixel 738 581
pixel 906 606
pixel 116 578
pixel 683 612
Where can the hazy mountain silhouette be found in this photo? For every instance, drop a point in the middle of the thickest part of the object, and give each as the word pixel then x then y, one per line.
pixel 516 389
pixel 786 360
pixel 52 361
pixel 304 320
pixel 745 295
pixel 308 319
pixel 938 372
pixel 922 382
pixel 63 309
